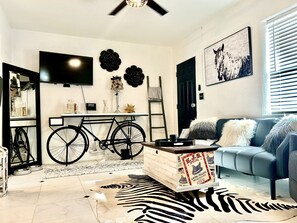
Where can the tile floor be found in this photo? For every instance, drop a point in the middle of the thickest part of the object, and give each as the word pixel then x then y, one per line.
pixel 33 199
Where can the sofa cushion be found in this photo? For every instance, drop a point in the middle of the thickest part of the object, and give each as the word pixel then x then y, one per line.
pixel 292 189
pixel 293 166
pixel 218 156
pixel 219 127
pixel 237 133
pixel 229 156
pixel 264 165
pixel 244 159
pixel 278 133
pixel 293 175
pixel 263 128
pixel 203 129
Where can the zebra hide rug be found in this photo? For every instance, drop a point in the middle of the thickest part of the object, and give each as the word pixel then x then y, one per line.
pixel 139 198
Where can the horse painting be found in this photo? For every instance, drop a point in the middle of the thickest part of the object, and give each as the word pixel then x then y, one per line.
pixel 230 67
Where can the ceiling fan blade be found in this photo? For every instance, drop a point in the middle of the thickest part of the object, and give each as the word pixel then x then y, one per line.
pixel 153 5
pixel 118 8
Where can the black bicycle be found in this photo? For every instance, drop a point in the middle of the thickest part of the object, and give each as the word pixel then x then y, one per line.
pixel 68 144
pixel 20 147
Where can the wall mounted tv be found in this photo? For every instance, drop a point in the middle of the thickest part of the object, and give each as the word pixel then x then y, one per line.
pixel 65 69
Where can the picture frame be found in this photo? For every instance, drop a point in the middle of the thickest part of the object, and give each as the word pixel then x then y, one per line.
pixel 229 58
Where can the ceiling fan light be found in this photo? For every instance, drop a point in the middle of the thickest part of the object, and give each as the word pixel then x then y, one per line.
pixel 136 3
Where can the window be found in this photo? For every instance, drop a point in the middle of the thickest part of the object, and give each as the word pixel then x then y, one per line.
pixel 281 60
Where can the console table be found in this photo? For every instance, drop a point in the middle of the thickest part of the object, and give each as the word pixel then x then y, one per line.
pixel 181 168
pixel 59 121
pixel 119 114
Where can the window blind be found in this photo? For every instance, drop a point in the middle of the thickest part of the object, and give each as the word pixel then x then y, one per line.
pixel 281 37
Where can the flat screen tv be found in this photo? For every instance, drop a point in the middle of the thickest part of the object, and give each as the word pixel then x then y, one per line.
pixel 65 69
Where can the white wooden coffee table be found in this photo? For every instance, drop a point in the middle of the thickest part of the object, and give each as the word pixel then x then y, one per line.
pixel 182 168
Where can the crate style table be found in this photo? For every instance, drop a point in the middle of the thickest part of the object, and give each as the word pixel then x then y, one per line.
pixel 181 168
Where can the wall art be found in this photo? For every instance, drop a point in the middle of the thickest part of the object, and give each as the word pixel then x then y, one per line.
pixel 109 60
pixel 229 58
pixel 134 76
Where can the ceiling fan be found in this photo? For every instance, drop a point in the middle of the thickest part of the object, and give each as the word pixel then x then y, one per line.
pixel 139 3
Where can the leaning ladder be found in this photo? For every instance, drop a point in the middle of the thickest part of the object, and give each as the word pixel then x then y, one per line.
pixel 155 96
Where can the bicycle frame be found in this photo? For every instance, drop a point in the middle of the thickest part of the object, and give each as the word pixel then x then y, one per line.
pixel 15 147
pixel 122 137
pixel 104 143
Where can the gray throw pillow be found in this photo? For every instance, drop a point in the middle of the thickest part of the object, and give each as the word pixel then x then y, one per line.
pixel 278 133
pixel 203 129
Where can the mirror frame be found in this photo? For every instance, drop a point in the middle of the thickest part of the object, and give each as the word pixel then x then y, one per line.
pixel 6 68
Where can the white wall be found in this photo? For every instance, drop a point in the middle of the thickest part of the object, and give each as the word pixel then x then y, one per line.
pixel 4 51
pixel 242 97
pixel 153 60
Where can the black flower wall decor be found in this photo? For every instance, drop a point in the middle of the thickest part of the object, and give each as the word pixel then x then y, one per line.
pixel 109 60
pixel 134 76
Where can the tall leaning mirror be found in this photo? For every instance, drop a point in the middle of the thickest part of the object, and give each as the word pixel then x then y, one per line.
pixel 21 118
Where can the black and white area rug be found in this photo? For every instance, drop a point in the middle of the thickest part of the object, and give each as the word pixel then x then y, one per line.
pixel 90 167
pixel 138 198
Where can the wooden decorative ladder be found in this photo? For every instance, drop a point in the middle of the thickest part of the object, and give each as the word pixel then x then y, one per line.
pixel 155 96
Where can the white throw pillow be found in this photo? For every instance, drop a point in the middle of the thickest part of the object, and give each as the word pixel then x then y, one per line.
pixel 237 133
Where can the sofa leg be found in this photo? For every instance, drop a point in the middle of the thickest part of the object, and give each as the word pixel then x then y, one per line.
pixel 218 169
pixel 272 189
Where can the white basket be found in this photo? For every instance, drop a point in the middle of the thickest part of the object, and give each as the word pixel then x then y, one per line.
pixel 3 171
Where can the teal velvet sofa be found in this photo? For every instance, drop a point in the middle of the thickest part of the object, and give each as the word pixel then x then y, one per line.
pixel 254 159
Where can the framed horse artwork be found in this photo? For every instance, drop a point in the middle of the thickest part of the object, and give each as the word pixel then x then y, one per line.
pixel 229 58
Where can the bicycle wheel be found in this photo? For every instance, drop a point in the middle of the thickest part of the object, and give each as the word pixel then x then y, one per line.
pixel 14 153
pixel 21 143
pixel 66 145
pixel 129 136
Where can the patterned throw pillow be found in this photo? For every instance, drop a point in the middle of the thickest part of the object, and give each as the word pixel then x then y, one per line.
pixel 203 129
pixel 237 133
pixel 278 133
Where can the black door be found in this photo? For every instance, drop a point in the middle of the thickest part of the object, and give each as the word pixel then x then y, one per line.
pixel 186 93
